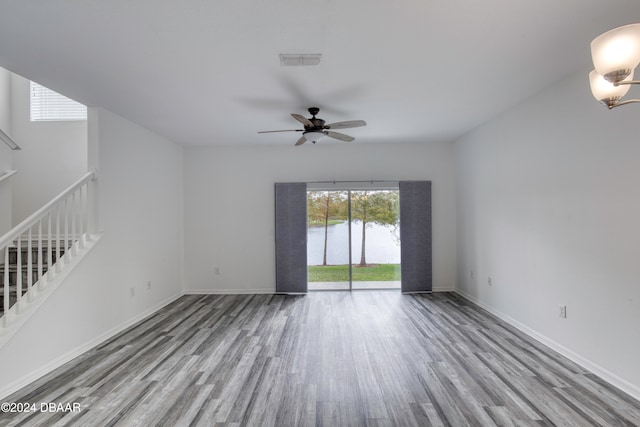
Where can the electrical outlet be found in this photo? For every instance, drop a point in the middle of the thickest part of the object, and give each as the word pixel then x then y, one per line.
pixel 563 311
pixel 489 282
pixel 149 284
pixel 132 292
pixel 472 274
pixel 216 270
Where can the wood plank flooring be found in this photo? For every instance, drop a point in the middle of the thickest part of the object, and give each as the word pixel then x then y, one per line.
pixel 324 359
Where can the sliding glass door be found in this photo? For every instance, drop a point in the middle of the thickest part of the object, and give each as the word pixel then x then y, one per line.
pixel 346 237
pixel 328 240
pixel 353 239
pixel 375 236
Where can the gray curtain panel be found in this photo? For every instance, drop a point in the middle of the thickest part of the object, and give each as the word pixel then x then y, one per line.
pixel 291 237
pixel 415 236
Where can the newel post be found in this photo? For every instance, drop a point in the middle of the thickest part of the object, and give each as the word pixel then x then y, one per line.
pixel 93 211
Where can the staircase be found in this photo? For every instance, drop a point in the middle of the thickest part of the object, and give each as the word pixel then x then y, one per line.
pixel 34 254
pixel 38 251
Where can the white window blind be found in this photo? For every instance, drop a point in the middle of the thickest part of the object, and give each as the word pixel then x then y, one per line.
pixel 47 105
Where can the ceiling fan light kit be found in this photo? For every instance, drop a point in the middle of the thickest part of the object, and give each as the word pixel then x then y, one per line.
pixel 314 136
pixel 616 55
pixel 315 129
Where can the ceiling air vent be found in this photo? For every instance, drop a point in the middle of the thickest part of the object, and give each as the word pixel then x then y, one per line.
pixel 299 59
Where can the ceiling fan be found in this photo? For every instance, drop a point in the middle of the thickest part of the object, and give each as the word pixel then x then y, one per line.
pixel 315 129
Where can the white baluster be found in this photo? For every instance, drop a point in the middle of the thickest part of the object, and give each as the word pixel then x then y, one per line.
pixel 7 295
pixel 19 270
pixel 40 254
pixel 81 220
pixel 29 261
pixel 49 247
pixel 86 211
pixel 74 209
pixel 58 237
pixel 66 239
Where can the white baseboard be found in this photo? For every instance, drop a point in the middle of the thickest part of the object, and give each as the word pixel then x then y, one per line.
pixel 267 291
pixel 228 291
pixel 9 389
pixel 608 376
pixel 441 289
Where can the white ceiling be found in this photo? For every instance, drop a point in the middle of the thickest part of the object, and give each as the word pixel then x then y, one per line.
pixel 207 72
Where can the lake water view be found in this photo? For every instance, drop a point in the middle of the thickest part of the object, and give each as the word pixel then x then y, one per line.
pixel 382 247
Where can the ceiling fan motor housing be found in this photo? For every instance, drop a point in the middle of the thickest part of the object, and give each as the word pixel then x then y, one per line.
pixel 318 124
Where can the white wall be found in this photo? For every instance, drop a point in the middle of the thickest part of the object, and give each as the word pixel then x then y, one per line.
pixel 548 206
pixel 229 207
pixel 141 205
pixel 6 154
pixel 53 155
pixel 140 194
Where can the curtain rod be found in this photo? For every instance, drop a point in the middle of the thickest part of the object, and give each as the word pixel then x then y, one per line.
pixel 368 181
pixel 371 184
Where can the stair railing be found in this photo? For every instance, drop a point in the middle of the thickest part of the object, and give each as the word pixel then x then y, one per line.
pixel 7 174
pixel 57 230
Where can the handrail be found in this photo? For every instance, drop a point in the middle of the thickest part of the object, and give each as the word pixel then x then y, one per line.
pixel 43 211
pixel 7 174
pixel 7 140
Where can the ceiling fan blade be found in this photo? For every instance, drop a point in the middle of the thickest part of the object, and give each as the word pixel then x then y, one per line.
pixel 302 119
pixel 285 130
pixel 340 136
pixel 301 141
pixel 347 124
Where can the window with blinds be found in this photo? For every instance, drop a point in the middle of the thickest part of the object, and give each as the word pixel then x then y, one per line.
pixel 47 105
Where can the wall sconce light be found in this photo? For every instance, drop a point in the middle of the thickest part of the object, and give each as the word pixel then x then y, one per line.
pixel 615 54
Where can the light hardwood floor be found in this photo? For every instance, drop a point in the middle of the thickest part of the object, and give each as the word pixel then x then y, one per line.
pixel 326 359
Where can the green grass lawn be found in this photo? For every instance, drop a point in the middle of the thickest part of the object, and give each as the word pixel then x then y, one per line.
pixel 340 273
